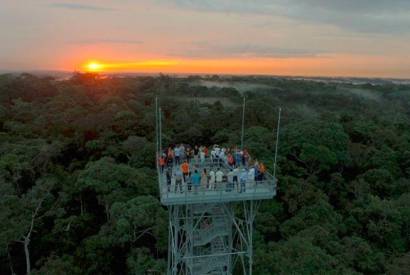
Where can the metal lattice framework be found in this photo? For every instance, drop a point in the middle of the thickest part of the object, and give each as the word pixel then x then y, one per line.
pixel 224 243
pixel 211 229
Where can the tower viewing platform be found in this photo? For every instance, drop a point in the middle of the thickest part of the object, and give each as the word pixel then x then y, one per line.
pixel 203 192
pixel 212 195
pixel 225 191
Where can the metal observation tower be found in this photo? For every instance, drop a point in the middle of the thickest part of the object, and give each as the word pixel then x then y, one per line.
pixel 211 230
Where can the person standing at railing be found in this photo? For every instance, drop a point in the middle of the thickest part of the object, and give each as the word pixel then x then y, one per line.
pixel 236 173
pixel 189 154
pixel 177 153
pixel 188 182
pixel 168 177
pixel 217 154
pixel 185 169
pixel 257 172
pixel 231 160
pixel 214 156
pixel 219 175
pixel 262 171
pixel 221 157
pixel 170 156
pixel 182 152
pixel 178 180
pixel 196 154
pixel 161 163
pixel 238 158
pixel 246 157
pixel 196 180
pixel 206 151
pixel 243 179
pixel 204 179
pixel 211 180
pixel 251 175
pixel 202 156
pixel 229 185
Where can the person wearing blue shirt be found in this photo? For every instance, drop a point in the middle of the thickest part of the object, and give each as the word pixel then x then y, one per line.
pixel 243 179
pixel 177 153
pixel 196 180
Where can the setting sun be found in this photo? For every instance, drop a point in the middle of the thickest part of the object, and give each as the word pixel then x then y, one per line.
pixel 94 67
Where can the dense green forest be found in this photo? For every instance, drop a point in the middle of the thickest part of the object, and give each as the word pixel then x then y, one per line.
pixel 78 190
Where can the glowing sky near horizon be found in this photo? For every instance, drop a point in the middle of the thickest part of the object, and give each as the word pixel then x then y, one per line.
pixel 306 37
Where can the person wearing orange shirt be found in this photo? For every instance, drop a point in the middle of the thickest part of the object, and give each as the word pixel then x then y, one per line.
pixel 262 170
pixel 185 169
pixel 170 156
pixel 161 163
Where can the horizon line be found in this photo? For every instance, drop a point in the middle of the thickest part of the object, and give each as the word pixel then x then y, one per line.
pixel 6 71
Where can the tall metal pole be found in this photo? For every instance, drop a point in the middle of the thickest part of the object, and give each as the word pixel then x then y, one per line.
pixel 277 143
pixel 160 129
pixel 156 126
pixel 251 238
pixel 243 122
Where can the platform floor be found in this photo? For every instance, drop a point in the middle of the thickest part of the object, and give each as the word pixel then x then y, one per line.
pixel 260 192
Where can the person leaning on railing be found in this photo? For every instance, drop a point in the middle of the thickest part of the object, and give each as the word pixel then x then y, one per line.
pixel 219 178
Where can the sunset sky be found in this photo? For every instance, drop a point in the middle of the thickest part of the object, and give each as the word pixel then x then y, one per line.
pixel 280 37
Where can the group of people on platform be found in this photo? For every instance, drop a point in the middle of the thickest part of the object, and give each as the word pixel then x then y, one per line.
pixel 186 166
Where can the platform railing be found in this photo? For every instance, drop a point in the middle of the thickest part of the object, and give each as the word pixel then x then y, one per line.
pixel 268 183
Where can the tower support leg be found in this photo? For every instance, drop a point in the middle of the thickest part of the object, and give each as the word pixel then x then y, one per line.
pixel 215 238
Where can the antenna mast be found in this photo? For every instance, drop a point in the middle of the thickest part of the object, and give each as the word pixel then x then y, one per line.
pixel 277 143
pixel 160 129
pixel 243 122
pixel 156 125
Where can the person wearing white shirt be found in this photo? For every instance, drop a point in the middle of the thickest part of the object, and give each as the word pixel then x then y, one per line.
pixel 219 178
pixel 243 179
pixel 221 157
pixel 213 156
pixel 202 157
pixel 229 185
pixel 251 175
pixel 217 153
pixel 236 173
pixel 211 180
